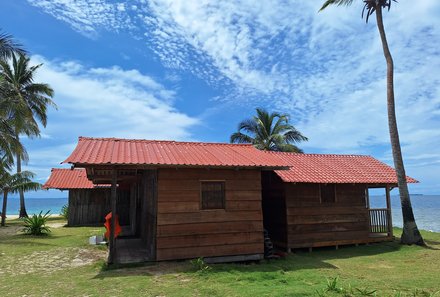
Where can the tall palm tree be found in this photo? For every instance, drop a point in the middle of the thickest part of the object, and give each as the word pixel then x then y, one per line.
pixel 411 234
pixel 269 132
pixel 14 183
pixel 26 103
pixel 8 142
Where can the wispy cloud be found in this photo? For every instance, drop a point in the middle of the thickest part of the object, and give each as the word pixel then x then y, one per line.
pixel 102 102
pixel 326 69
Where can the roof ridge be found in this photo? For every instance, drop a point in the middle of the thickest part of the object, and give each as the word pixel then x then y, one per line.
pixel 319 154
pixel 161 141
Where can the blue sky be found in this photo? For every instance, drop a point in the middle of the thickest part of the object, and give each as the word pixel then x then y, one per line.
pixel 191 70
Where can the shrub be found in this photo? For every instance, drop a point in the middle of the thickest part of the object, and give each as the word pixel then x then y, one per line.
pixel 36 224
pixel 332 285
pixel 200 265
pixel 65 211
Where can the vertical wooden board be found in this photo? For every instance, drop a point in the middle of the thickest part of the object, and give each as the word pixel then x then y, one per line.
pixel 151 192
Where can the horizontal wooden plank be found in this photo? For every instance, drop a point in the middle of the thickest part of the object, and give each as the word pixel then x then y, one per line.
pixel 338 242
pixel 237 195
pixel 329 227
pixel 209 228
pixel 179 196
pixel 197 174
pixel 327 236
pixel 323 219
pixel 197 240
pixel 330 209
pixel 184 206
pixel 178 206
pixel 210 251
pixel 194 184
pixel 243 205
pixel 206 216
pixel 193 195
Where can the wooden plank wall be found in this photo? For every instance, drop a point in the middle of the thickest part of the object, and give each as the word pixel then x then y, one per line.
pixel 185 231
pixel 311 223
pixel 274 208
pixel 88 207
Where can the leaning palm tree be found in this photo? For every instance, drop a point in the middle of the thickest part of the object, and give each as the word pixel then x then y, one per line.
pixel 14 183
pixel 411 234
pixel 26 103
pixel 8 46
pixel 269 132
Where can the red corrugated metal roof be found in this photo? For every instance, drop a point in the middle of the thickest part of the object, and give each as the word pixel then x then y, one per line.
pixel 65 179
pixel 321 168
pixel 106 151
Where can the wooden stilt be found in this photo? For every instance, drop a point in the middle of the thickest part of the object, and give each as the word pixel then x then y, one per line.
pixel 112 248
pixel 310 249
pixel 336 247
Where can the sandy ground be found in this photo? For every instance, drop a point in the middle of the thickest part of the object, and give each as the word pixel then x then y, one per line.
pixel 13 217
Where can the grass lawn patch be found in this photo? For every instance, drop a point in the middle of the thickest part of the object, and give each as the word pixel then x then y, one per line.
pixel 63 264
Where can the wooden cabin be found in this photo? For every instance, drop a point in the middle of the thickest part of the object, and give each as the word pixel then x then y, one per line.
pixel 187 200
pixel 88 204
pixel 182 200
pixel 323 200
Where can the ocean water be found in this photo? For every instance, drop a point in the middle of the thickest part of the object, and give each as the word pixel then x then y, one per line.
pixel 426 208
pixel 35 205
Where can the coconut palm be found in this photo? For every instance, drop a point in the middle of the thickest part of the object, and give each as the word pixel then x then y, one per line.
pixel 14 183
pixel 411 234
pixel 269 131
pixel 26 103
pixel 8 141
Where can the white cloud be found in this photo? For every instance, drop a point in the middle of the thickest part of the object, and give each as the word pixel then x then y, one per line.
pixel 102 102
pixel 327 69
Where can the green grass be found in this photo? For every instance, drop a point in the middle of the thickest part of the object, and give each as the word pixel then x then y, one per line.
pixel 63 264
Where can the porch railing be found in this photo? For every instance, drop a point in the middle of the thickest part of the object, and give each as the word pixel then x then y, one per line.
pixel 380 220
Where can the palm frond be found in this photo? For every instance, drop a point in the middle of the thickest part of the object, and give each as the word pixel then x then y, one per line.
pixel 8 46
pixel 239 137
pixel 335 2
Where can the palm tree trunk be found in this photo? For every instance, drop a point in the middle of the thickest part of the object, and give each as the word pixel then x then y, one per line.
pixel 411 234
pixel 22 213
pixel 5 201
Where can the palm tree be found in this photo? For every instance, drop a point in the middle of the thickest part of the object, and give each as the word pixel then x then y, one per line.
pixel 411 234
pixel 26 103
pixel 269 132
pixel 14 183
pixel 8 142
pixel 8 46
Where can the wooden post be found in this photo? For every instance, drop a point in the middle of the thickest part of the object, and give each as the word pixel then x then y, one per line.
pixel 112 242
pixel 390 219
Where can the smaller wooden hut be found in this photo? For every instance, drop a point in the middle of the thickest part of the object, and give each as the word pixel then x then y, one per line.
pixel 323 200
pixel 88 203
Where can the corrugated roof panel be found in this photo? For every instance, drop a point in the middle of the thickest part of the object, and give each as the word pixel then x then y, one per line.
pixel 322 168
pixel 65 179
pixel 149 152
